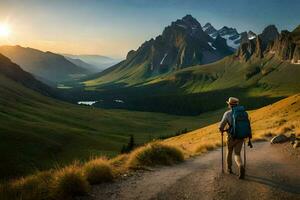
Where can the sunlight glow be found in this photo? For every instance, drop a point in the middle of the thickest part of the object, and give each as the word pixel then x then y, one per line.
pixel 4 30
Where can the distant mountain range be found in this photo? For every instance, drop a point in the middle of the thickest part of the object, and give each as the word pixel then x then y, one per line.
pixel 233 38
pixel 13 72
pixel 264 67
pixel 94 63
pixel 45 66
pixel 182 44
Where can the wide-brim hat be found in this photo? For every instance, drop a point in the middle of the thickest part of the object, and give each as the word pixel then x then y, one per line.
pixel 233 101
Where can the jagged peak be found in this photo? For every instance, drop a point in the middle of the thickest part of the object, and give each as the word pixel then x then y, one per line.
pixel 188 21
pixel 207 25
pixel 270 29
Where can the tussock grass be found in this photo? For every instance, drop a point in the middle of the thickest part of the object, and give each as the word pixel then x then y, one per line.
pixel 205 147
pixel 155 154
pixel 76 179
pixel 286 129
pixel 28 188
pixel 98 171
pixel 69 182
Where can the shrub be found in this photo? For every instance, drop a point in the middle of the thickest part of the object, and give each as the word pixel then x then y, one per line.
pixel 155 154
pixel 69 182
pixel 206 147
pixel 98 171
pixel 130 146
pixel 31 187
pixel 286 129
pixel 268 134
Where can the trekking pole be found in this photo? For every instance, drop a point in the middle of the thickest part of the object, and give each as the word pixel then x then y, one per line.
pixel 245 154
pixel 222 153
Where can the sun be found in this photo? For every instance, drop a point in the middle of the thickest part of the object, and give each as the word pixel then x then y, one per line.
pixel 4 30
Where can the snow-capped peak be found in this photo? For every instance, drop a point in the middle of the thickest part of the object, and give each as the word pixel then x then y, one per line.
pixel 230 34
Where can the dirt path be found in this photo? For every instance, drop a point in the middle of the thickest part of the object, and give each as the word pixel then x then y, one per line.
pixel 273 172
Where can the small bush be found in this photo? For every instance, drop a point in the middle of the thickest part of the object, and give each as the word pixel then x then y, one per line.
pixel 206 147
pixel 31 187
pixel 155 154
pixel 281 122
pixel 69 182
pixel 268 134
pixel 286 129
pixel 98 171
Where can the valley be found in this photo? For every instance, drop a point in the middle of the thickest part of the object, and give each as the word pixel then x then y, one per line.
pixel 72 120
pixel 44 132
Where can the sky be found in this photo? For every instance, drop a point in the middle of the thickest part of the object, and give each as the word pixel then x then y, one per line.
pixel 113 27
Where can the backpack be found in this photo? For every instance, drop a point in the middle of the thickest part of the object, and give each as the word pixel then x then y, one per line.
pixel 240 127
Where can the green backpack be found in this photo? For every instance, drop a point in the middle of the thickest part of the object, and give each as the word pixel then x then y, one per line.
pixel 240 127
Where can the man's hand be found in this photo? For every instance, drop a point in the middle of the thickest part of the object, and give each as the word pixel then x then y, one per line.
pixel 250 144
pixel 221 131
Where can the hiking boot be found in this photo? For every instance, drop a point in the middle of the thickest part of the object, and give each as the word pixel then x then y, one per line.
pixel 229 171
pixel 242 173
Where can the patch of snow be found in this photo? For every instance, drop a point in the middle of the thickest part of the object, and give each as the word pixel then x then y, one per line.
pixel 251 37
pixel 88 103
pixel 213 35
pixel 118 101
pixel 232 43
pixel 204 28
pixel 210 44
pixel 180 25
pixel 162 61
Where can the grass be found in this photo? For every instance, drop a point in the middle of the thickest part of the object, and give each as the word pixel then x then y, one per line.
pixel 279 118
pixel 98 171
pixel 76 178
pixel 69 182
pixel 269 78
pixel 155 154
pixel 45 132
pixel 188 89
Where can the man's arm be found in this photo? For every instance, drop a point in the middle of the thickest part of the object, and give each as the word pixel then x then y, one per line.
pixel 223 122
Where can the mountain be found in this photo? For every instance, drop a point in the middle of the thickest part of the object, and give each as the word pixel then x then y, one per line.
pixel 14 72
pixel 182 44
pixel 39 132
pixel 95 63
pixel 46 66
pixel 284 46
pixel 83 64
pixel 233 38
pixel 231 35
pixel 263 70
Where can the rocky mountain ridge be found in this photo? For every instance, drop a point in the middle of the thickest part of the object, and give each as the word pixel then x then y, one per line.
pixel 285 46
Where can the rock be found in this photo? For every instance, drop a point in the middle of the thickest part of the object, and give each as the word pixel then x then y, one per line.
pixel 296 144
pixel 279 139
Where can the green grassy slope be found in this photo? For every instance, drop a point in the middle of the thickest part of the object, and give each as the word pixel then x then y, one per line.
pixel 267 76
pixel 264 76
pixel 37 132
pixel 203 88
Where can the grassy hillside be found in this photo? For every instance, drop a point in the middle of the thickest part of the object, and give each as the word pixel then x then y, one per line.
pixel 203 88
pixel 282 117
pixel 37 132
pixel 75 179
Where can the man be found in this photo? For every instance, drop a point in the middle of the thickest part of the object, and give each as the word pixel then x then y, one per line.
pixel 233 144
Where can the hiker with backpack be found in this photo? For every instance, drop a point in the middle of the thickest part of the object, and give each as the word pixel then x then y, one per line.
pixel 239 128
